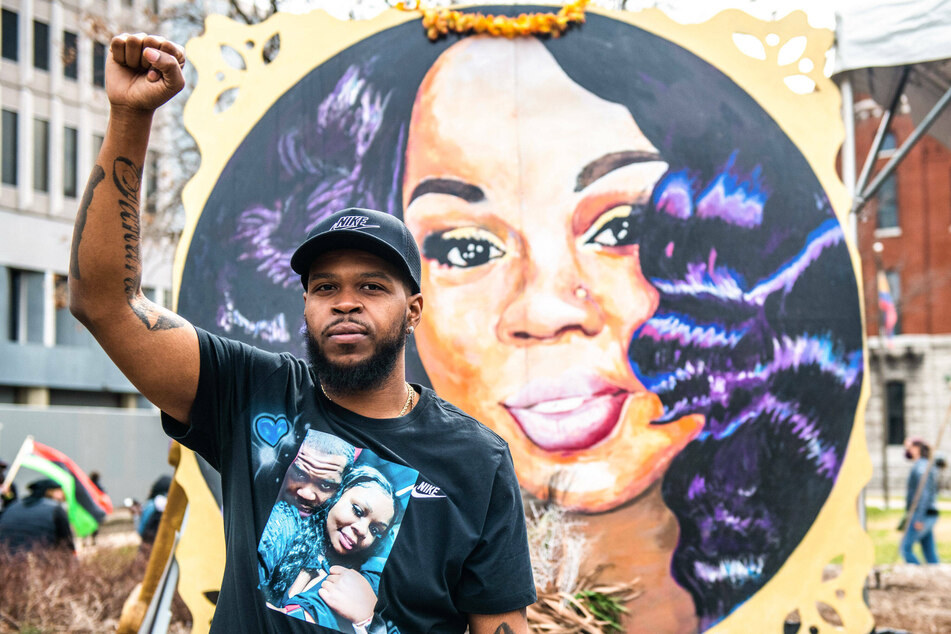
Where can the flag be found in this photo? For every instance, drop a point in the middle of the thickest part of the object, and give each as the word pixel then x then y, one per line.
pixel 887 312
pixel 86 504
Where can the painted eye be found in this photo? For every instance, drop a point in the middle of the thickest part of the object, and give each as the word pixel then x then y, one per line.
pixel 615 227
pixel 463 248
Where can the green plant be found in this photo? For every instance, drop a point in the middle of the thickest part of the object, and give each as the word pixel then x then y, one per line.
pixel 604 607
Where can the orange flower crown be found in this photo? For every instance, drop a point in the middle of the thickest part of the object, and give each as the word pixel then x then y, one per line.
pixel 439 22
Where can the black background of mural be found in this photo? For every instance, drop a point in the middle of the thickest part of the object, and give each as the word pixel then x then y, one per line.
pixel 698 119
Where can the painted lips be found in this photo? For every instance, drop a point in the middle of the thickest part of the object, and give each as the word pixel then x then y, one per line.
pixel 571 412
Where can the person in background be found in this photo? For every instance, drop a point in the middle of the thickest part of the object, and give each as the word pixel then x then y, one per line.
pixel 38 521
pixel 153 508
pixel 921 510
pixel 7 496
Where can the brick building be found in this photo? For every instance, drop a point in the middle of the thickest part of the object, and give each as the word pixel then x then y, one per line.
pixel 911 219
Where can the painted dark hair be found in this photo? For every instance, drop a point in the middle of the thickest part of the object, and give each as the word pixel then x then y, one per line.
pixel 758 326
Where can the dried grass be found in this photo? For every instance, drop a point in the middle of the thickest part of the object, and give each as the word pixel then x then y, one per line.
pixel 569 602
pixel 48 591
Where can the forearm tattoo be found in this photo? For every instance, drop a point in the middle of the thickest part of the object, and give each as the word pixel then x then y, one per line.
pixel 128 179
pixel 97 176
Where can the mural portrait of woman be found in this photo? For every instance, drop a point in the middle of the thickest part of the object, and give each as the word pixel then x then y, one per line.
pixel 629 271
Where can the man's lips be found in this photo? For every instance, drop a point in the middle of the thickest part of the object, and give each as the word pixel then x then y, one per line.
pixel 573 411
pixel 346 332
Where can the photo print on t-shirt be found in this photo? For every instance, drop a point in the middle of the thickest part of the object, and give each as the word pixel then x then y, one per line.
pixel 327 539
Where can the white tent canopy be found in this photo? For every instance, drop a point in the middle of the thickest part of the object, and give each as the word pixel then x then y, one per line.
pixel 892 48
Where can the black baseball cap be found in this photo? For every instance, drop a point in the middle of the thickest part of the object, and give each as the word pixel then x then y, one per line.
pixel 378 233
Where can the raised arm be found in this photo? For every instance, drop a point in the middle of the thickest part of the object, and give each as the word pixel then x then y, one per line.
pixel 155 348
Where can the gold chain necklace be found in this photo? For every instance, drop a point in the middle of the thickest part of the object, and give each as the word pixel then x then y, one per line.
pixel 406 406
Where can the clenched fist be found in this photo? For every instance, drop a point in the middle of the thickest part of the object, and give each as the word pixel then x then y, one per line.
pixel 143 71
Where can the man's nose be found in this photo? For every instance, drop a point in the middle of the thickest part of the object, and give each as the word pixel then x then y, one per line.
pixel 346 303
pixel 307 492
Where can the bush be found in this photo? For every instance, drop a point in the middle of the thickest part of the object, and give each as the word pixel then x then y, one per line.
pixel 53 591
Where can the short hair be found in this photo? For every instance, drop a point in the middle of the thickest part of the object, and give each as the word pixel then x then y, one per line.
pixel 924 449
pixel 325 443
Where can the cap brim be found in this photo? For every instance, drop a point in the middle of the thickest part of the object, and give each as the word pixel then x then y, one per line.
pixel 307 252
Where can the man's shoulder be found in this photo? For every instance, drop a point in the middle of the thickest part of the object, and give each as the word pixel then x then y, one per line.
pixel 457 422
pixel 211 341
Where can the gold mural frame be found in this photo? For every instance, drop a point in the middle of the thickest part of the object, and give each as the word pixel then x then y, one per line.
pixel 836 534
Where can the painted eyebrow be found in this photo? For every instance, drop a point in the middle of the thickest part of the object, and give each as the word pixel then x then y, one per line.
pixel 606 164
pixel 450 186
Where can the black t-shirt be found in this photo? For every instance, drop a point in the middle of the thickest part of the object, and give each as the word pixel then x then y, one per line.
pixel 434 491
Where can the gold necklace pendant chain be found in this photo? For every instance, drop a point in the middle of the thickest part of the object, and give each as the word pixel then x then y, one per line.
pixel 409 399
pixel 406 406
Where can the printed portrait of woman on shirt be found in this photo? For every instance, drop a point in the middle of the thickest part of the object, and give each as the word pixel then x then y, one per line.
pixel 640 283
pixel 321 556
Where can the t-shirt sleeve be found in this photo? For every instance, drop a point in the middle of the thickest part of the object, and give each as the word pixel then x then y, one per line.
pixel 497 575
pixel 229 372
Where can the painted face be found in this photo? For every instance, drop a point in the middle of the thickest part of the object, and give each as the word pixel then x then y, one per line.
pixel 312 479
pixel 360 517
pixel 520 187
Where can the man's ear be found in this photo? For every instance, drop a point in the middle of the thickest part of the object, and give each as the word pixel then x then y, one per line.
pixel 414 310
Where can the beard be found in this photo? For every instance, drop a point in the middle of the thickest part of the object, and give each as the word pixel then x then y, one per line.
pixel 358 376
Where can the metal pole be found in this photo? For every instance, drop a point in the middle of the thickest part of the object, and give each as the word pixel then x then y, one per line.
pixel 848 179
pixel 882 129
pixel 906 147
pixel 848 151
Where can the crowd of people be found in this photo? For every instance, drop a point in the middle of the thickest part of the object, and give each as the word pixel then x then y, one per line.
pixel 40 520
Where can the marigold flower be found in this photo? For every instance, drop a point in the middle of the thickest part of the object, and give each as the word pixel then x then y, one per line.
pixel 439 22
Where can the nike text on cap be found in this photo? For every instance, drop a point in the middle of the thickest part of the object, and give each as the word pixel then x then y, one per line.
pixel 378 233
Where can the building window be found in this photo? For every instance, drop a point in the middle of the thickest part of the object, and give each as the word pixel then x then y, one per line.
pixel 70 158
pixel 41 155
pixel 888 204
pixel 97 140
pixel 151 182
pixel 25 306
pixel 11 35
pixel 895 406
pixel 99 64
pixel 41 45
pixel 70 55
pixel 69 332
pixel 10 145
pixel 889 142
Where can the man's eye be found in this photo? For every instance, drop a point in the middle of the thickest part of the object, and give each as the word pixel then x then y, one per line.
pixel 463 248
pixel 328 486
pixel 615 227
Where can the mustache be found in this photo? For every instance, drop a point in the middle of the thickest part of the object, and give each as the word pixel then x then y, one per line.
pixel 345 320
